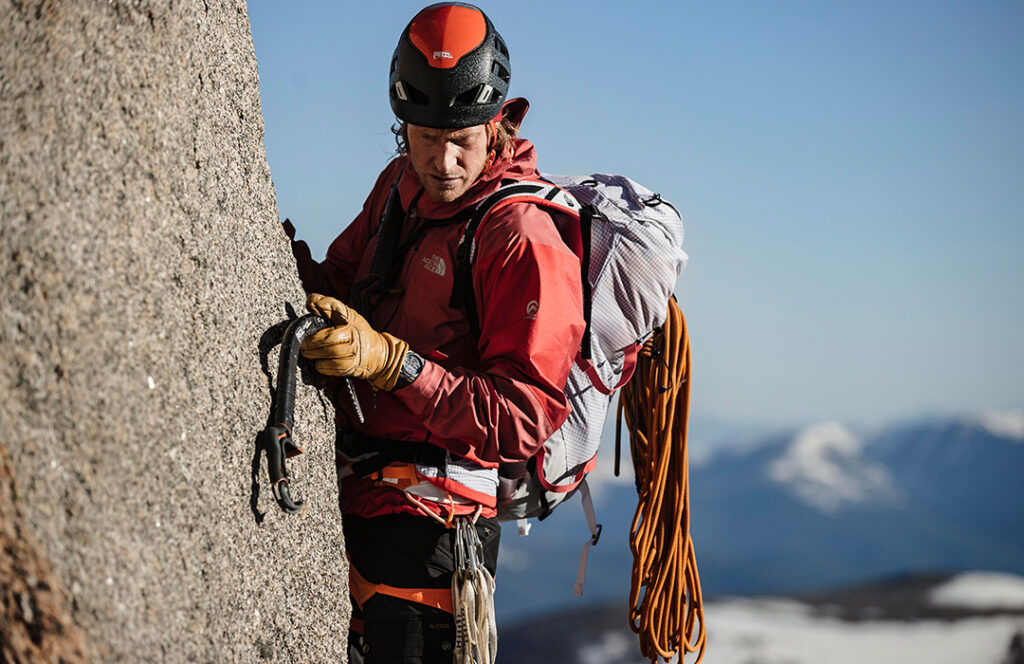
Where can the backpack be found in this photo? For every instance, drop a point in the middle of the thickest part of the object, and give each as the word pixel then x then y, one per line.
pixel 629 242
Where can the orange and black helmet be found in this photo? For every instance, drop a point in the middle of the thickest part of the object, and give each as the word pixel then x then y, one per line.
pixel 450 69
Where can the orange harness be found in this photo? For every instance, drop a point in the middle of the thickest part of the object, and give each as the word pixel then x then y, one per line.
pixel 398 475
pixel 401 476
pixel 362 590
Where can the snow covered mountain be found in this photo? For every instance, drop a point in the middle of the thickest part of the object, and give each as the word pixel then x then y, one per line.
pixel 824 506
pixel 824 466
pixel 813 508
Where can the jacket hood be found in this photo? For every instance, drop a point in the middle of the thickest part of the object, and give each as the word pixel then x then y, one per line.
pixel 521 164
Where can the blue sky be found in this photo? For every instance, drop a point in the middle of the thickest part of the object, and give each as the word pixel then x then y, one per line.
pixel 851 175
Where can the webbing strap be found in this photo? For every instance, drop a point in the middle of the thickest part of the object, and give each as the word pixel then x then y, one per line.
pixel 523 526
pixel 462 288
pixel 586 238
pixel 595 532
pixel 362 590
pixel 390 251
pixel 628 367
pixel 544 194
pixel 389 230
pixel 372 454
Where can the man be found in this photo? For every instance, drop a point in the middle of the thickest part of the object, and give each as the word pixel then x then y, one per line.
pixel 445 392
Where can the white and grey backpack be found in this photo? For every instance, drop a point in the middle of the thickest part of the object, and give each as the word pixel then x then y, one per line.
pixel 629 240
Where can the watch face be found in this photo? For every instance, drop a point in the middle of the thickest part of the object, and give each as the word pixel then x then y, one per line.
pixel 412 365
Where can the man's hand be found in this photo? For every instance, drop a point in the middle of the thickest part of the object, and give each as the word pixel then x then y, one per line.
pixel 351 347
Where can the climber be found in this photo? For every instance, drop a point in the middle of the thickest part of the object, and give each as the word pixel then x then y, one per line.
pixel 445 394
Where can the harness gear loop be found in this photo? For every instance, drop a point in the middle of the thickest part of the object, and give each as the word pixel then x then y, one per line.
pixel 665 603
pixel 425 510
pixel 451 511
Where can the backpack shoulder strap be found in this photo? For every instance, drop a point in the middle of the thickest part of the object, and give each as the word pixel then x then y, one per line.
pixel 389 230
pixel 541 193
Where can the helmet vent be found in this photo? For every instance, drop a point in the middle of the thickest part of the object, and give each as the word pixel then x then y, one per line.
pixel 478 94
pixel 484 97
pixel 501 72
pixel 402 91
pixel 499 44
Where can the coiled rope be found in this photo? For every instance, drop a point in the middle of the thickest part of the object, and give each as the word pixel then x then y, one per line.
pixel 666 609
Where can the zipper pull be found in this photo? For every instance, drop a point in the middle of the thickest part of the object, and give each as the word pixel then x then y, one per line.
pixel 355 400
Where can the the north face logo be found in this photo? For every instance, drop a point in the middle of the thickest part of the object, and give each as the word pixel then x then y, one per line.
pixel 434 264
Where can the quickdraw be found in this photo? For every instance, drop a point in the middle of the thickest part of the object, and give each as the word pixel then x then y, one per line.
pixel 277 439
pixel 476 633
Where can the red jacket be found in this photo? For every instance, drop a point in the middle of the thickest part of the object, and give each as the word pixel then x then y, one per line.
pixel 492 399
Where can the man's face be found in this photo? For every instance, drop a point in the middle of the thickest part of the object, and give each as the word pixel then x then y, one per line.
pixel 448 161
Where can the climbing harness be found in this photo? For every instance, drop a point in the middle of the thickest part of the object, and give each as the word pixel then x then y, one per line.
pixel 472 592
pixel 470 597
pixel 666 609
pixel 476 632
pixel 277 439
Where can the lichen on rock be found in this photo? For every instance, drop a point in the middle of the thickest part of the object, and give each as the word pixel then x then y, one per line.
pixel 35 621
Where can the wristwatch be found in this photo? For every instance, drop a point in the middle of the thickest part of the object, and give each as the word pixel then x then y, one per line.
pixel 412 365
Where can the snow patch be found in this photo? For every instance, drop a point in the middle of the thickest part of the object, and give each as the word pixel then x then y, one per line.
pixel 611 648
pixel 770 632
pixel 1005 424
pixel 513 559
pixel 824 467
pixel 981 590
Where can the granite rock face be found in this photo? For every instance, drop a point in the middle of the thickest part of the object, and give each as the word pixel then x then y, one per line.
pixel 142 274
pixel 35 623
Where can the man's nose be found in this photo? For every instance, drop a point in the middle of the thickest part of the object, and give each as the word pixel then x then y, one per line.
pixel 448 157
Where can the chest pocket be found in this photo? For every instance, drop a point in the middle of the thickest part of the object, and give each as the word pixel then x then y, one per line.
pixel 422 314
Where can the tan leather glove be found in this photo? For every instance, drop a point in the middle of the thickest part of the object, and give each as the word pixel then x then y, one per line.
pixel 351 347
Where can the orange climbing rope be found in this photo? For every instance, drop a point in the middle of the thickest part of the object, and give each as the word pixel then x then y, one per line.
pixel 666 609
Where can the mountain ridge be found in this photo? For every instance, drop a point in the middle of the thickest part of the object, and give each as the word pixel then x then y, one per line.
pixel 928 494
